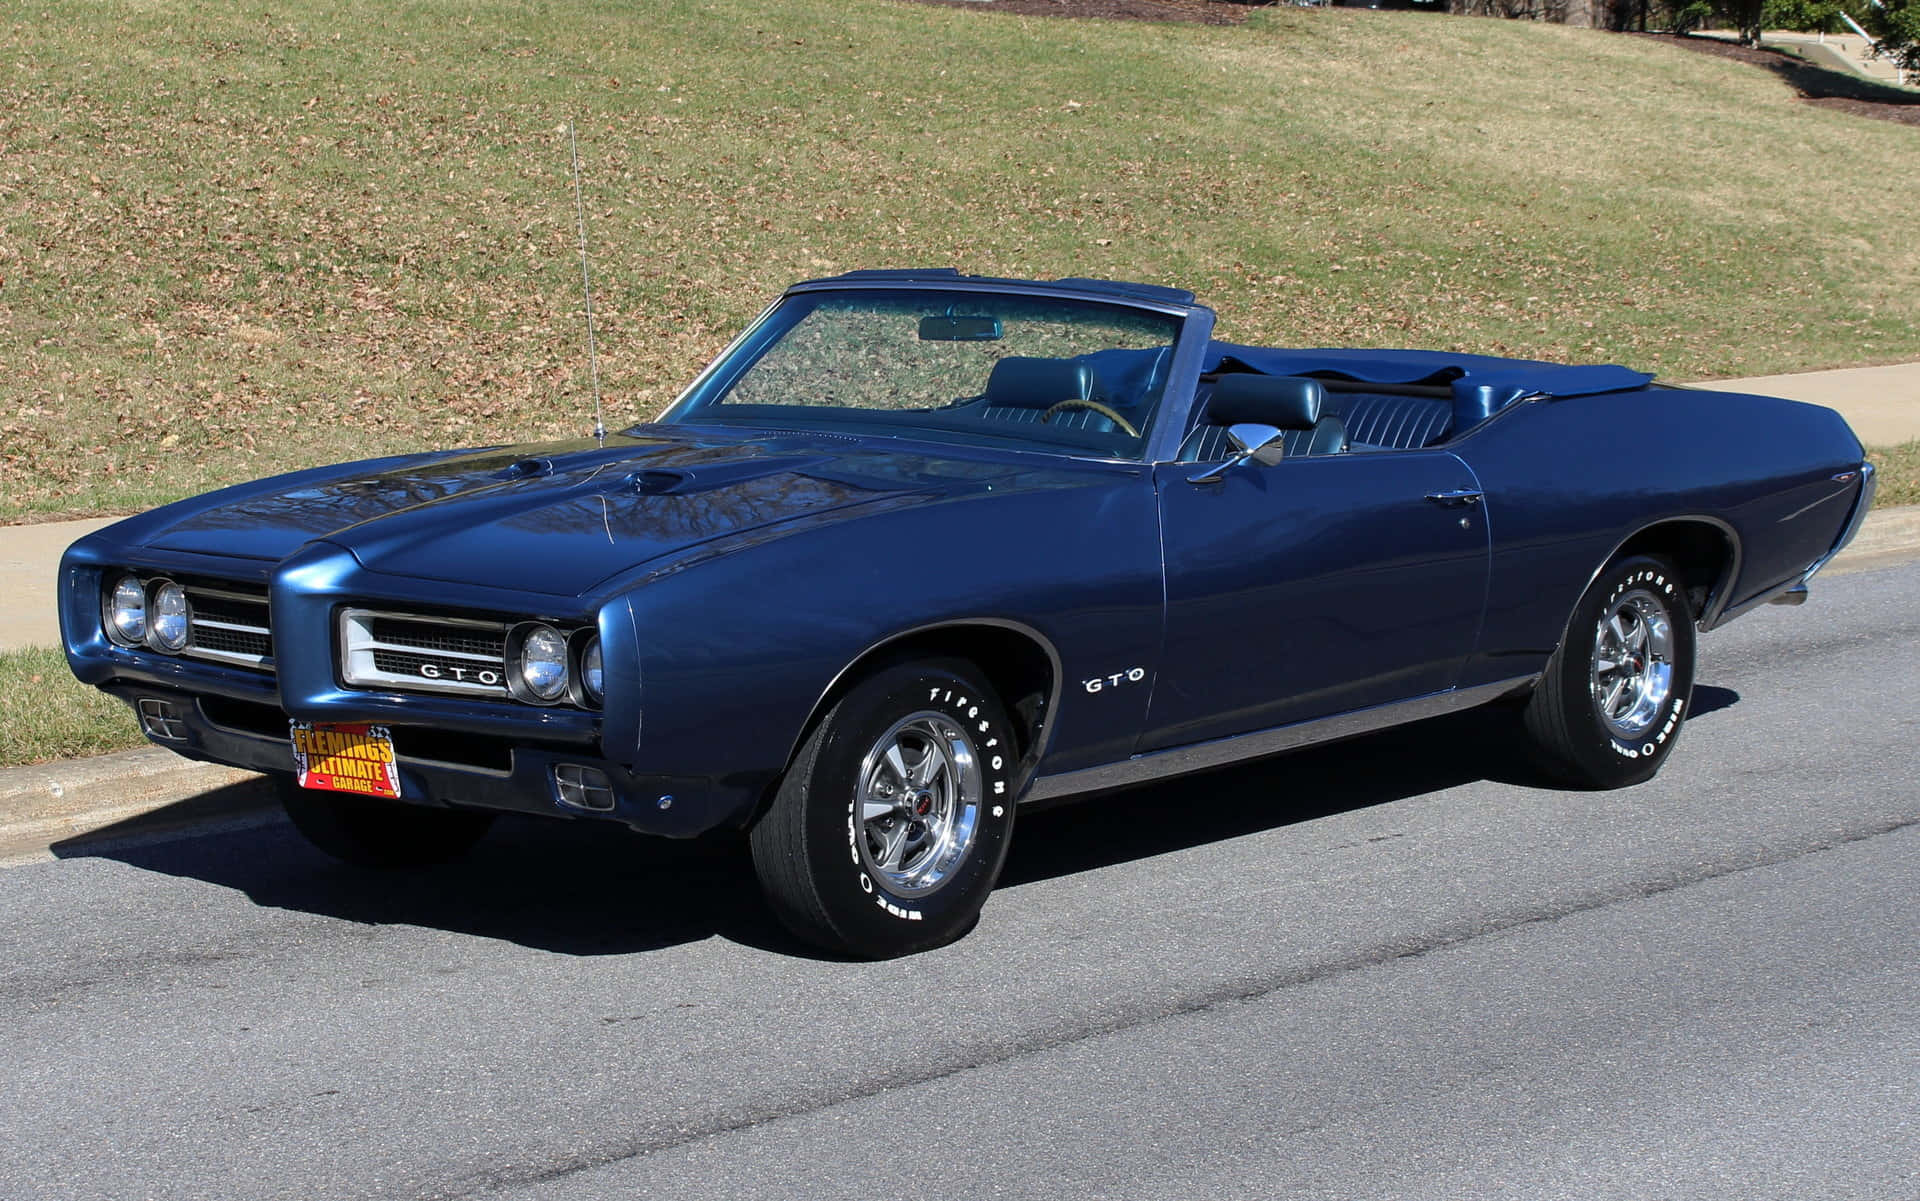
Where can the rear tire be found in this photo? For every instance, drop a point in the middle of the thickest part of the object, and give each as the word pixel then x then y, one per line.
pixel 1610 705
pixel 371 832
pixel 890 828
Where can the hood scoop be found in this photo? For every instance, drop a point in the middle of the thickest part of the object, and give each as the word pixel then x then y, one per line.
pixel 658 481
pixel 527 469
pixel 679 481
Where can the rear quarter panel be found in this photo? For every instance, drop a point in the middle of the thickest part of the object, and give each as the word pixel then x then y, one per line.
pixel 1567 481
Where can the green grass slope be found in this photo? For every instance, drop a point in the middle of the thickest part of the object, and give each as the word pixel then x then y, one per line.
pixel 235 240
pixel 47 714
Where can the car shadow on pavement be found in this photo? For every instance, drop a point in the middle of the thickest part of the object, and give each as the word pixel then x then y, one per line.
pixel 571 887
pixel 1176 815
pixel 1410 761
pixel 1709 699
pixel 587 888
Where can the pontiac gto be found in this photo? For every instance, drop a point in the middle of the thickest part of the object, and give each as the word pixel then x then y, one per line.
pixel 919 548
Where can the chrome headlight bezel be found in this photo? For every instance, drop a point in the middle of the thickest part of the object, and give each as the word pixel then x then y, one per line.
pixel 551 684
pixel 128 590
pixel 167 603
pixel 591 673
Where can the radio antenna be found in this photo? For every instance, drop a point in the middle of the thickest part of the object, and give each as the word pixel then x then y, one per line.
pixel 586 286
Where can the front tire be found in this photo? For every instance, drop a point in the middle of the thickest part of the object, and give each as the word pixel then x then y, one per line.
pixel 1610 705
pixel 371 832
pixel 890 828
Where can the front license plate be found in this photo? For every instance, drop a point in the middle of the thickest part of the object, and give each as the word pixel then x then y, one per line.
pixel 345 758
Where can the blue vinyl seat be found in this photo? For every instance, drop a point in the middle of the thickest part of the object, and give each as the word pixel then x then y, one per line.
pixel 1399 422
pixel 1022 389
pixel 1292 404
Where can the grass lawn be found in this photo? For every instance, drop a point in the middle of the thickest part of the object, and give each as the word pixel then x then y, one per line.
pixel 236 240
pixel 47 714
pixel 1899 478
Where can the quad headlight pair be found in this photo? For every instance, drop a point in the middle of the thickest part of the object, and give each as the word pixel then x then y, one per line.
pixel 153 614
pixel 544 666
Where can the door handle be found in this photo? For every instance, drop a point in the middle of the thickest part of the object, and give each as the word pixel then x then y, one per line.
pixel 1459 496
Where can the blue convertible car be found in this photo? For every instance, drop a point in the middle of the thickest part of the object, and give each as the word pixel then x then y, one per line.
pixel 921 547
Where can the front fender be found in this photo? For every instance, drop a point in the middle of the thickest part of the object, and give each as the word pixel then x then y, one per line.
pixel 736 650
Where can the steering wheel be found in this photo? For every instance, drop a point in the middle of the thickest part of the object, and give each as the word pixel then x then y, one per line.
pixel 1075 402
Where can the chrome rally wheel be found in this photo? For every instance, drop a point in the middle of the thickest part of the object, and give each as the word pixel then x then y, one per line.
pixel 1632 672
pixel 919 800
pixel 1615 693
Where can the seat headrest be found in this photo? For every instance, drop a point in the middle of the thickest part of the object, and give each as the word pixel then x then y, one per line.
pixel 1288 402
pixel 1033 383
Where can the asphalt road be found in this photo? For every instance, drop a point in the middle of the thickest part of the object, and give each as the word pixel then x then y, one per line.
pixel 1393 968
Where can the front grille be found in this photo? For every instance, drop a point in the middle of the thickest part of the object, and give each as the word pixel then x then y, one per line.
pixel 229 625
pixel 423 654
pixel 394 632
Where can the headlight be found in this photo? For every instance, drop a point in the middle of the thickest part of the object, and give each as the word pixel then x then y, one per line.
pixel 593 675
pixel 541 664
pixel 127 612
pixel 170 620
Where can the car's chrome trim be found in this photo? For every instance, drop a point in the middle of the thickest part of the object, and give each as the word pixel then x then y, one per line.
pixel 706 373
pixel 252 598
pixel 234 657
pixel 1862 505
pixel 1043 289
pixel 262 630
pixel 1722 589
pixel 1200 756
pixel 1180 393
pixel 1793 589
pixel 358 646
pixel 1767 596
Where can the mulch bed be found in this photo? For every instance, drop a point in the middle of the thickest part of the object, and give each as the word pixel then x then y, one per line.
pixel 1846 92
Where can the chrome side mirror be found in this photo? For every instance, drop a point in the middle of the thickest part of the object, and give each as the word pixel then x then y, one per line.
pixel 1262 444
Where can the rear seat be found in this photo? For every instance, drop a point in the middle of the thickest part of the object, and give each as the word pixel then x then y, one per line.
pixel 1395 422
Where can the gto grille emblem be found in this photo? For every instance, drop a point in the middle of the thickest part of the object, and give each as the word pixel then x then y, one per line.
pixel 461 675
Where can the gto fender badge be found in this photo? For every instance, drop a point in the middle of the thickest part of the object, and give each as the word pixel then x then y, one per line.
pixel 1133 675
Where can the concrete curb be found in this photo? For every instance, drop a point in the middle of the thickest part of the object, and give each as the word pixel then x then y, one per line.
pixel 46 804
pixel 136 795
pixel 1889 536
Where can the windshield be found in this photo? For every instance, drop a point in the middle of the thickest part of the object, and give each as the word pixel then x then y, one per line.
pixel 1050 373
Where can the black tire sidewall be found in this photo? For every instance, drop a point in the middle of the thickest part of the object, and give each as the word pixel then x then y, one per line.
pixel 869 917
pixel 1602 757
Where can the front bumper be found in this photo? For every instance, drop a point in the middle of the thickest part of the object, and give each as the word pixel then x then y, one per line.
pixel 437 766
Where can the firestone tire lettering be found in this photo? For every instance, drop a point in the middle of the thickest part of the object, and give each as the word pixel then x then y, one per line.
pixel 807 848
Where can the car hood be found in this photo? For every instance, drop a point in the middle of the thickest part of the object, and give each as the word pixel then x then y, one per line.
pixel 560 518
